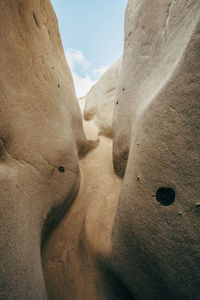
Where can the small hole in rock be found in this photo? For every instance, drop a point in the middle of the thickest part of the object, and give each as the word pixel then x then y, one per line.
pixel 123 89
pixel 117 102
pixel 58 85
pixel 165 196
pixel 35 19
pixel 61 169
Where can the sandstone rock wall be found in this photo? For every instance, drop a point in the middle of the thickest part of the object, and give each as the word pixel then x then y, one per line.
pixel 142 245
pixel 40 133
pixel 155 238
pixel 99 102
pixel 156 37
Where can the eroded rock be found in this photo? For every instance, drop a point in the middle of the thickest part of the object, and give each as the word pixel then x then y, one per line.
pixel 155 237
pixel 100 100
pixel 156 41
pixel 40 136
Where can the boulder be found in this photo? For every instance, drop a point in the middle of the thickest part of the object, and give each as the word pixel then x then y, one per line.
pixel 99 101
pixel 155 238
pixel 40 136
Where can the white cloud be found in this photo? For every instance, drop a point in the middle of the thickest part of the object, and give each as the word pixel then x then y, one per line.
pixel 76 58
pixel 82 84
pixel 100 70
pixel 79 64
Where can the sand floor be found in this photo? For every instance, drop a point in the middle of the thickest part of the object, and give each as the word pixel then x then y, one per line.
pixel 72 253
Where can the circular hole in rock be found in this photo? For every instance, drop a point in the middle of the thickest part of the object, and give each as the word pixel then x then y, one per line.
pixel 165 196
pixel 61 169
pixel 117 102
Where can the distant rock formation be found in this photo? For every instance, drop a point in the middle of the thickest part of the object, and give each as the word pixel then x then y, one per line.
pixel 40 135
pixel 156 236
pixel 100 100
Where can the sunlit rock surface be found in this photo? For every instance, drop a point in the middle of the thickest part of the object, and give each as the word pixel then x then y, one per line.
pixel 40 133
pixel 99 102
pixel 75 256
pixel 155 238
pixel 156 52
pixel 140 242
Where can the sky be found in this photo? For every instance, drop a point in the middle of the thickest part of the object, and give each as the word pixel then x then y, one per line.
pixel 92 33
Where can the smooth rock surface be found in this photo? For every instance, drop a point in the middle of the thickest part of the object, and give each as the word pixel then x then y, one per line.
pixel 155 239
pixel 141 245
pixel 100 100
pixel 40 136
pixel 157 34
pixel 75 256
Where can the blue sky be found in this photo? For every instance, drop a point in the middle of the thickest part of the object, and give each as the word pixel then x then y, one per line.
pixel 92 33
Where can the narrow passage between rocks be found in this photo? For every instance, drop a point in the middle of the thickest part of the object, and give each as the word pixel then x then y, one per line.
pixel 71 255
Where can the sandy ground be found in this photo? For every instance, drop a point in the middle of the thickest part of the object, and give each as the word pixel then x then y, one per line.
pixel 71 255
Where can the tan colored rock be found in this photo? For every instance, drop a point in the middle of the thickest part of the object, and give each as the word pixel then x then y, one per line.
pixel 156 37
pixel 81 102
pixel 40 133
pixel 100 100
pixel 156 235
pixel 75 255
pixel 146 245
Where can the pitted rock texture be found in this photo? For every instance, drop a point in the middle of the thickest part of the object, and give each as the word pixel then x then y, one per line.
pixel 100 100
pixel 155 239
pixel 143 244
pixel 40 136
pixel 157 37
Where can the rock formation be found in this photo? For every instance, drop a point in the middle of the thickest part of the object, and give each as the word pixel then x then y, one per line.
pixel 155 238
pixel 101 98
pixel 156 49
pixel 138 243
pixel 40 133
pixel 74 257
